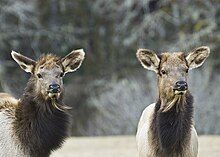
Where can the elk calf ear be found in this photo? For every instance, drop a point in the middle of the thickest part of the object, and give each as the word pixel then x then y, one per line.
pixel 148 59
pixel 197 57
pixel 73 60
pixel 24 62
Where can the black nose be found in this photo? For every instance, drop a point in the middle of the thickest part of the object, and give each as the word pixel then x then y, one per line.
pixel 54 88
pixel 181 86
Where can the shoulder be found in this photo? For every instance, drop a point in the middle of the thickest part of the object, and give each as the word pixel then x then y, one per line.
pixel 142 130
pixel 146 115
pixel 7 100
pixel 149 109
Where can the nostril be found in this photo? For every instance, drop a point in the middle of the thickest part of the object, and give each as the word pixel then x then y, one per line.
pixel 54 88
pixel 181 85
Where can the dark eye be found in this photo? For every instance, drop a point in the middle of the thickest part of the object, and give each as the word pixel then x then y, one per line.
pixel 163 72
pixel 187 70
pixel 61 74
pixel 39 75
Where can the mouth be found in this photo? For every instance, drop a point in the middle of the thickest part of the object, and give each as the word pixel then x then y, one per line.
pixel 180 88
pixel 178 96
pixel 179 92
pixel 53 94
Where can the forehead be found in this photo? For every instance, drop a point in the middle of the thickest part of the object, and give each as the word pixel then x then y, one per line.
pixel 48 61
pixel 172 59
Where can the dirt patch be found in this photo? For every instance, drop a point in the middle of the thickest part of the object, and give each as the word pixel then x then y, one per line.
pixel 123 146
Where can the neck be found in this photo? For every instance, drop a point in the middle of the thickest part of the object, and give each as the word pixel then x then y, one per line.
pixel 177 101
pixel 171 129
pixel 40 127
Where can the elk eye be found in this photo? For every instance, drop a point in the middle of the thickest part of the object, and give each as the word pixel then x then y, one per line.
pixel 39 75
pixel 61 74
pixel 163 72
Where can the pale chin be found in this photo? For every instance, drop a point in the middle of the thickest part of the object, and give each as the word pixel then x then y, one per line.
pixel 176 92
pixel 54 95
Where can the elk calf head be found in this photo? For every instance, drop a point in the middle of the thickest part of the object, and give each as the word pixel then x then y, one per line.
pixel 49 70
pixel 172 70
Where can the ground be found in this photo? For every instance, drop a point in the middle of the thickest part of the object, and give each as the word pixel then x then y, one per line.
pixel 123 146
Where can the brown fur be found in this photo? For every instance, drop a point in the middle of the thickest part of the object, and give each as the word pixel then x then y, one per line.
pixel 166 127
pixel 38 121
pixel 34 101
pixel 48 61
pixel 176 67
pixel 8 103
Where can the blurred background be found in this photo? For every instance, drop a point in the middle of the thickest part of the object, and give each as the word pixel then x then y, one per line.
pixel 110 90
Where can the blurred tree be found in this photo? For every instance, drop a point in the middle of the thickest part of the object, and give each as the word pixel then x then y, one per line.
pixel 110 32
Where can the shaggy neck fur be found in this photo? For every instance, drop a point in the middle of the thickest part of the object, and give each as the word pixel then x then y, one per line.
pixel 39 126
pixel 171 129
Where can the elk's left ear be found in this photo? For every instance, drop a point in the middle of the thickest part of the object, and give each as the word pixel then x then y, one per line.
pixel 73 60
pixel 197 57
pixel 24 62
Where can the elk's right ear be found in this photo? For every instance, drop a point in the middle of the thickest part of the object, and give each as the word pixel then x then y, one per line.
pixel 148 59
pixel 73 60
pixel 24 62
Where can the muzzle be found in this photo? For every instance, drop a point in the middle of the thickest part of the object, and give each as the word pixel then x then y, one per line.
pixel 180 87
pixel 54 90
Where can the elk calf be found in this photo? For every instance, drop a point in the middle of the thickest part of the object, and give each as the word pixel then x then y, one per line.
pixel 37 123
pixel 166 127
